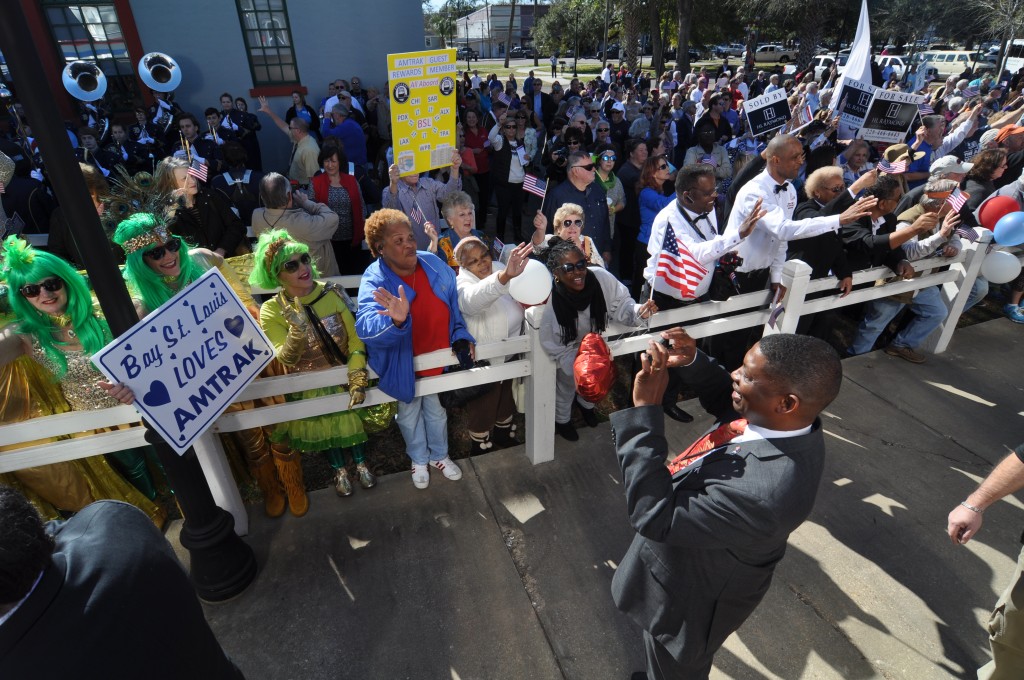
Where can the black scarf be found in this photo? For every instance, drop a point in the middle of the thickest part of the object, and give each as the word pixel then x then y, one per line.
pixel 568 304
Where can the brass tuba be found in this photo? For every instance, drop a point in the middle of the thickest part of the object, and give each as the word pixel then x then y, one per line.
pixel 84 81
pixel 161 73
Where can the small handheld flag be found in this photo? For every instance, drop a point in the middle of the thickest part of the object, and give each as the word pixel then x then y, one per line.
pixel 534 185
pixel 198 170
pixel 416 214
pixel 957 199
pixel 925 109
pixel 969 233
pixel 894 168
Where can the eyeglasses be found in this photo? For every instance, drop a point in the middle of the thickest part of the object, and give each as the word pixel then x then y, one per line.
pixel 292 266
pixel 603 129
pixel 172 246
pixel 569 267
pixel 522 117
pixel 31 290
pixel 663 166
pixel 572 143
pixel 572 223
pixel 607 157
pixel 509 127
pixel 836 190
pixel 589 167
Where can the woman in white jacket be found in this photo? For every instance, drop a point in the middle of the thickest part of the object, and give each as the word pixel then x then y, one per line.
pixel 491 315
pixel 582 301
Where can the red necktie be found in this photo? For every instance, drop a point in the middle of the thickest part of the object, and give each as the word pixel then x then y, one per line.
pixel 721 435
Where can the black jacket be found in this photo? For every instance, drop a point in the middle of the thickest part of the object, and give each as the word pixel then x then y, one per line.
pixel 865 250
pixel 216 226
pixel 825 252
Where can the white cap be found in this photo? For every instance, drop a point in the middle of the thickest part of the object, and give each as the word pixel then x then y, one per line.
pixel 948 164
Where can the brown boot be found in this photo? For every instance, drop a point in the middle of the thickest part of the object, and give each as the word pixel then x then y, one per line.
pixel 265 474
pixel 261 465
pixel 290 470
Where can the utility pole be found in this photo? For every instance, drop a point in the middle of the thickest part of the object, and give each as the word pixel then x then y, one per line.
pixel 533 43
pixel 576 40
pixel 607 15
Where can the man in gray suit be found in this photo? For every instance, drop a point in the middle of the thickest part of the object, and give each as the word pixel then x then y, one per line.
pixel 710 534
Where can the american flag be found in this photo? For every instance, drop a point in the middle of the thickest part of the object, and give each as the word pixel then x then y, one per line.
pixel 417 214
pixel 969 92
pixel 677 266
pixel 969 233
pixel 534 185
pixel 198 170
pixel 957 199
pixel 808 114
pixel 2 188
pixel 505 99
pixel 894 168
pixel 708 159
pixel 925 109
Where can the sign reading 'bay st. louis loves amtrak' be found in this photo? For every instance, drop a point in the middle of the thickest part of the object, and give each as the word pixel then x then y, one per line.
pixel 187 361
pixel 890 116
pixel 768 112
pixel 423 109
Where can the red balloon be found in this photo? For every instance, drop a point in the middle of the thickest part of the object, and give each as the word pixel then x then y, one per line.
pixel 995 209
pixel 594 368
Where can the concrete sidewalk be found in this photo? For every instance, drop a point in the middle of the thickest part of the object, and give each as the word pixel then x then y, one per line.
pixel 505 574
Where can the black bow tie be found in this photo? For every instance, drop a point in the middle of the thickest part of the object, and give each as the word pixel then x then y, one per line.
pixel 781 187
pixel 702 216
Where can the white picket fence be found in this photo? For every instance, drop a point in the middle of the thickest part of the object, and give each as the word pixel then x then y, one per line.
pixel 955 275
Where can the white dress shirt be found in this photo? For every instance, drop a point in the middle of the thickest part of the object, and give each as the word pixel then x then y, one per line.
pixel 765 248
pixel 703 242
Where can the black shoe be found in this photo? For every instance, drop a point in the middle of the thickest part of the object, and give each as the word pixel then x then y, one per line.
pixel 504 437
pixel 676 413
pixel 567 431
pixel 639 675
pixel 589 416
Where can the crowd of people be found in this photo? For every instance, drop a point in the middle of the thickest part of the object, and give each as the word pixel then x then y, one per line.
pixel 633 166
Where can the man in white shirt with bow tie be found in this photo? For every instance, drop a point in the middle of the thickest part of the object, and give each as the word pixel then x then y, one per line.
pixel 764 251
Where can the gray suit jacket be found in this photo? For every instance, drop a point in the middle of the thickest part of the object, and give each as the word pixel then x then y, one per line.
pixel 708 541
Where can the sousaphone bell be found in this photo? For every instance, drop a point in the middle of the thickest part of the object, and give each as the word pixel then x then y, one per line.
pixel 84 81
pixel 160 72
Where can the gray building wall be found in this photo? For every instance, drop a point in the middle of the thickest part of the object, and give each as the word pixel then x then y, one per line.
pixel 332 39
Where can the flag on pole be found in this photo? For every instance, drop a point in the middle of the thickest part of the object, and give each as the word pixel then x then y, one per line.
pixel 957 199
pixel 677 266
pixel 416 214
pixel 969 92
pixel 925 109
pixel 894 168
pixel 808 114
pixel 534 185
pixel 505 99
pixel 198 170
pixel 969 233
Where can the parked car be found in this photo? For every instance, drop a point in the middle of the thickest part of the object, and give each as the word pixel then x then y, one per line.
pixel 774 54
pixel 823 62
pixel 467 53
pixel 730 50
pixel 899 64
pixel 521 53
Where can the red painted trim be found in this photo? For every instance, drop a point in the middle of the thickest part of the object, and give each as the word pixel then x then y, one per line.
pixel 53 67
pixel 130 33
pixel 277 90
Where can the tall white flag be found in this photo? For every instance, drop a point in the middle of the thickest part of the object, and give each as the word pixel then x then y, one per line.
pixel 858 66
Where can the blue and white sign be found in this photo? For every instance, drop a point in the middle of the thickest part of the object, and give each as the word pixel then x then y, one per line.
pixel 188 360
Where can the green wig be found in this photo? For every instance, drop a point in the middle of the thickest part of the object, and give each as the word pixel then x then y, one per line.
pixel 136 235
pixel 274 248
pixel 24 264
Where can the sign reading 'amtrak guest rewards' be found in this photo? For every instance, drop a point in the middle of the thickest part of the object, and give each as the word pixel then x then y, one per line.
pixel 187 361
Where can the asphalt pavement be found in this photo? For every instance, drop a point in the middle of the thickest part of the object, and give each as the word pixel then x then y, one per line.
pixel 505 574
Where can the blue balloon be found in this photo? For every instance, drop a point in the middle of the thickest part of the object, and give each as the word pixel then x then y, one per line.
pixel 1009 229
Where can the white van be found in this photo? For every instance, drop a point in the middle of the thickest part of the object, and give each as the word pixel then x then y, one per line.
pixel 952 62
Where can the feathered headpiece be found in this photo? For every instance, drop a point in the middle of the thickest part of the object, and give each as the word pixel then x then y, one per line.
pixel 133 194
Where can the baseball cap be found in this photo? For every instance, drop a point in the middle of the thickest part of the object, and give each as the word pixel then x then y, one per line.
pixel 948 164
pixel 989 137
pixel 619 106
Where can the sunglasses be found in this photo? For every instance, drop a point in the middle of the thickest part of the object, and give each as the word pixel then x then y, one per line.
pixel 572 143
pixel 509 127
pixel 607 157
pixel 172 246
pixel 588 166
pixel 572 223
pixel 663 166
pixel 292 266
pixel 31 290
pixel 603 129
pixel 836 190
pixel 569 267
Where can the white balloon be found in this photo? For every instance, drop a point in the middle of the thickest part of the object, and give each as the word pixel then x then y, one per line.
pixel 533 286
pixel 1000 266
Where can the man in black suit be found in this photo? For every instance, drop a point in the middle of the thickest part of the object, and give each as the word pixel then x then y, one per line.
pixel 542 103
pixel 78 599
pixel 710 533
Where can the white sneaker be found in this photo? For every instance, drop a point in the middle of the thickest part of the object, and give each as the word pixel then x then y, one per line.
pixel 448 467
pixel 420 476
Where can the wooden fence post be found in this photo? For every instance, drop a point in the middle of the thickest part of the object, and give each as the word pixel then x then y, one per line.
pixel 955 294
pixel 540 395
pixel 795 276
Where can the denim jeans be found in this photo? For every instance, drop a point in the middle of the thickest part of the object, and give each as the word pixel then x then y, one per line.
pixel 978 292
pixel 929 311
pixel 424 425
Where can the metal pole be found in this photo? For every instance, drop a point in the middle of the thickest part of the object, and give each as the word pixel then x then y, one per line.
pixel 222 566
pixel 576 40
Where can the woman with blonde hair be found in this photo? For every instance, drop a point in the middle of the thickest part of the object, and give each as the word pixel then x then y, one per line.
pixel 568 226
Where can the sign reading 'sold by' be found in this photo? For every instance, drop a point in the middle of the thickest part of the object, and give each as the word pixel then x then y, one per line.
pixel 768 112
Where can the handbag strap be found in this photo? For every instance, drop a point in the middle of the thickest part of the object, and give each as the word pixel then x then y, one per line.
pixel 327 344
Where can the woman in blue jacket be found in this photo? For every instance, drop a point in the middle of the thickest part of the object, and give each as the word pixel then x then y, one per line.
pixel 409 305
